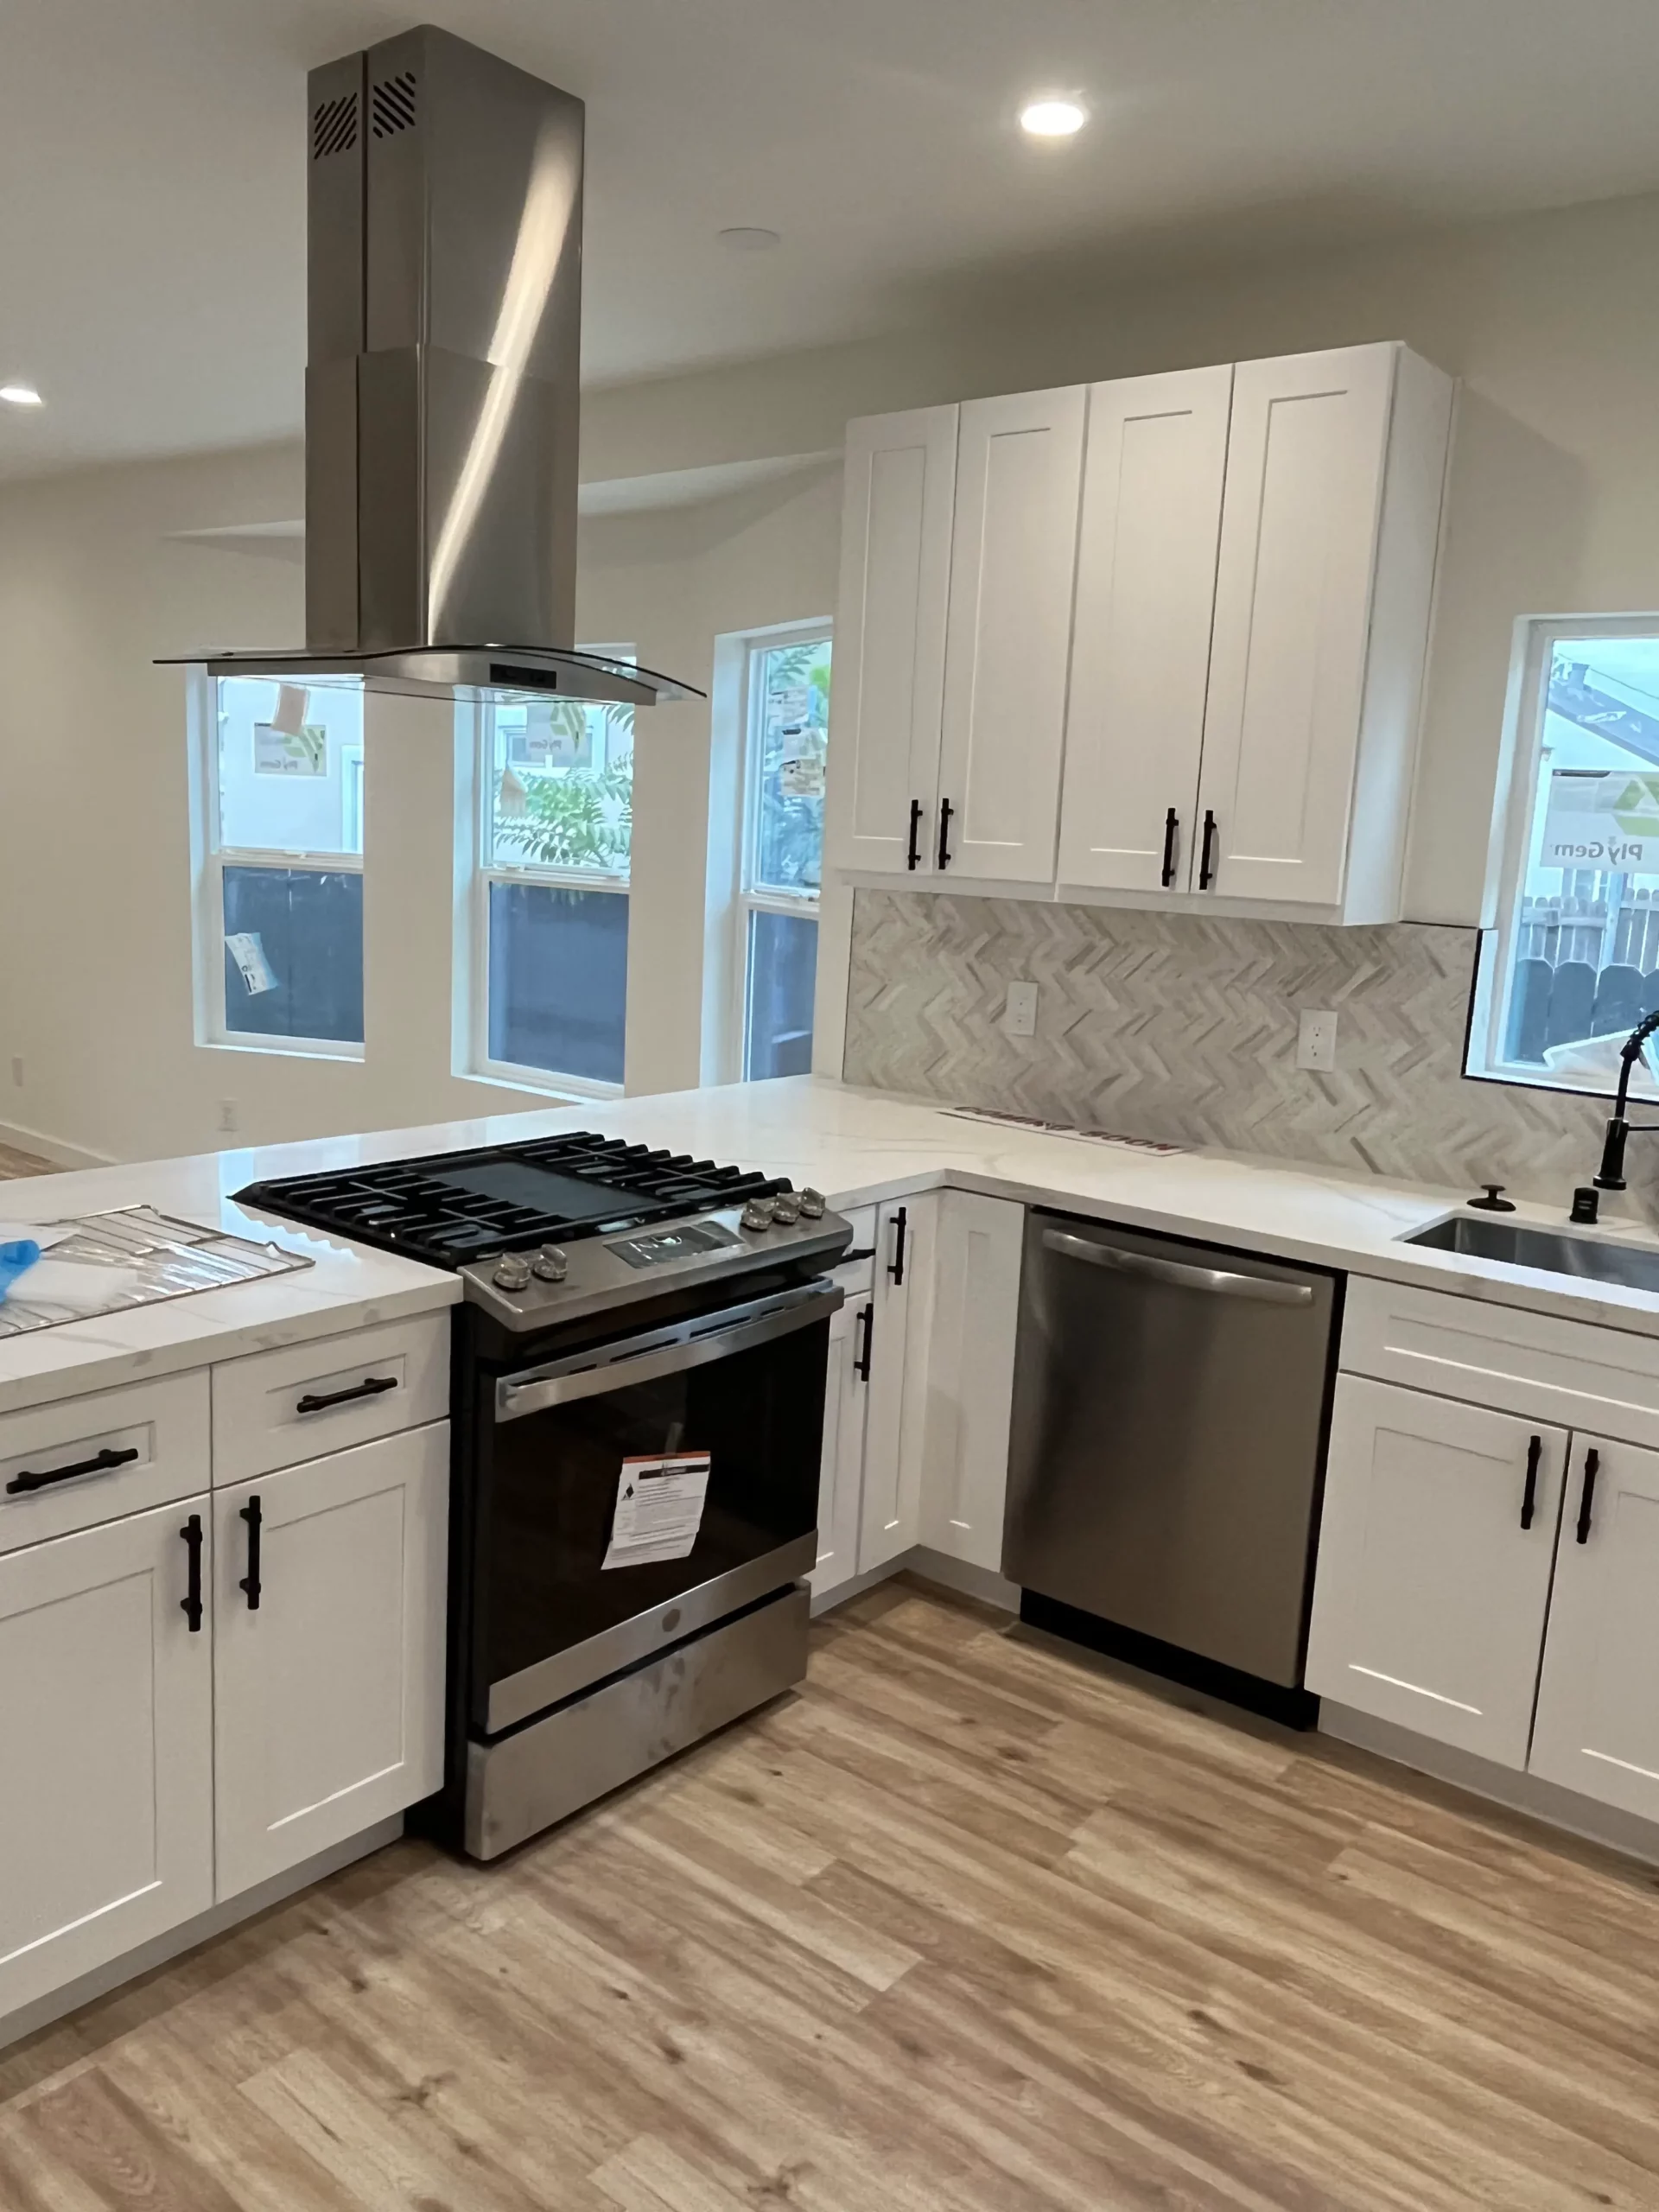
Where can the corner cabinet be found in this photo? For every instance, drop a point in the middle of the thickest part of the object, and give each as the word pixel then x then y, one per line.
pixel 1185 623
pixel 970 1399
pixel 1486 1574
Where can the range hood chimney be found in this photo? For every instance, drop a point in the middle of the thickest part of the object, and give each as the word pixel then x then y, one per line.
pixel 442 393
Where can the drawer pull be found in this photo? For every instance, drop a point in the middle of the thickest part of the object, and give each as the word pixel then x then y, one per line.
pixel 315 1401
pixel 250 1581
pixel 1529 1496
pixel 1586 1496
pixel 190 1603
pixel 100 1463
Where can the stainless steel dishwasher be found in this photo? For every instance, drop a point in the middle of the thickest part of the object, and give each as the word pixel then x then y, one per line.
pixel 1169 1417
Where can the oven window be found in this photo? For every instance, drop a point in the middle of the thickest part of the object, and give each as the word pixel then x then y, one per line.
pixel 548 1497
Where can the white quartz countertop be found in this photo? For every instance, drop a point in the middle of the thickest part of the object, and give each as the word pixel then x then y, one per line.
pixel 856 1145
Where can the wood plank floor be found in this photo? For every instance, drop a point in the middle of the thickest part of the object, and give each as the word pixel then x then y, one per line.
pixel 971 1923
pixel 14 1163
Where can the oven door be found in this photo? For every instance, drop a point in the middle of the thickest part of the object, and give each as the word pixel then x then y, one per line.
pixel 558 1605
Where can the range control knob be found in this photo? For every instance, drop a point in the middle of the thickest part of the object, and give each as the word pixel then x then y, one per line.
pixel 551 1264
pixel 512 1273
pixel 812 1204
pixel 758 1214
pixel 787 1210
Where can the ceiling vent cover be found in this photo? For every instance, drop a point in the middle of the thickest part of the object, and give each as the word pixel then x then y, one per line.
pixel 333 127
pixel 391 103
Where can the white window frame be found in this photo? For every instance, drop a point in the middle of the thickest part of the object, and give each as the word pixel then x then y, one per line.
pixel 748 900
pixel 1537 638
pixel 486 871
pixel 211 859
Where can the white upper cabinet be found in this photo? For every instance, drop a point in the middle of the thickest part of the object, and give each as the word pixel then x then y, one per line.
pixel 1330 526
pixel 1012 562
pixel 1598 1726
pixel 890 623
pixel 1154 469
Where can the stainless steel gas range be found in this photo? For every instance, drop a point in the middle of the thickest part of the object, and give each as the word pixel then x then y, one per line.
pixel 637 1408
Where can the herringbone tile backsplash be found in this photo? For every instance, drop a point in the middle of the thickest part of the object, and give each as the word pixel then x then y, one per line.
pixel 1184 1027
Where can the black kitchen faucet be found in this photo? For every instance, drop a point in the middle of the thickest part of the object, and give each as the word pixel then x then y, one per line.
pixel 1609 1176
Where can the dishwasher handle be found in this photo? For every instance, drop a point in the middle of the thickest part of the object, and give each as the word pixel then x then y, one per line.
pixel 1180 1273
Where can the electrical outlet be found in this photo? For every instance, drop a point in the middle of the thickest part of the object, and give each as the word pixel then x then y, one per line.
pixel 1020 1019
pixel 1315 1040
pixel 17 1069
pixel 227 1116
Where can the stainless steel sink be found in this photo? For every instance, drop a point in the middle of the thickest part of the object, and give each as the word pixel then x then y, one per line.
pixel 1592 1258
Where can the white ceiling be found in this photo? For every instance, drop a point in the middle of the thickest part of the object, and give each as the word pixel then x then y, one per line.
pixel 152 208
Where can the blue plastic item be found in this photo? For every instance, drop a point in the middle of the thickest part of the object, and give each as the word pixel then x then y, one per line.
pixel 16 1258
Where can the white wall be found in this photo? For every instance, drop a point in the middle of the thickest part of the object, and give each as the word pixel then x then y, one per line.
pixel 1552 321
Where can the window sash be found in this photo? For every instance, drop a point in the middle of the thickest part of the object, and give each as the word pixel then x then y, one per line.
pixel 750 885
pixel 487 871
pixel 1497 958
pixel 213 1025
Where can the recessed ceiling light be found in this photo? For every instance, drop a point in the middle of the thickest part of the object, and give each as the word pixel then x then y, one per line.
pixel 21 395
pixel 743 238
pixel 1052 118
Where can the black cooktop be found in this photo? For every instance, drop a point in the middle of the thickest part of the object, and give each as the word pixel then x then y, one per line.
pixel 457 1206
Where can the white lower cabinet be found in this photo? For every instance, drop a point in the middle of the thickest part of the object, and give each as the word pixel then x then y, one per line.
pixel 1598 1726
pixel 1434 1575
pixel 969 1380
pixel 328 1661
pixel 890 1519
pixel 841 1479
pixel 106 1779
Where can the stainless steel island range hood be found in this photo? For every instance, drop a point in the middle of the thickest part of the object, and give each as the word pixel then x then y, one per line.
pixel 444 290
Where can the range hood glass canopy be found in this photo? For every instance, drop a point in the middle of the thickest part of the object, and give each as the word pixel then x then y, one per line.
pixel 444 306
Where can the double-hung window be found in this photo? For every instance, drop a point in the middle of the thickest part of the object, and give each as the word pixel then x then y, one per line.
pixel 1573 964
pixel 551 922
pixel 280 886
pixel 787 724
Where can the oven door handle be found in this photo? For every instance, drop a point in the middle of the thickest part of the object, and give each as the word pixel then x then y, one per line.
pixel 614 1368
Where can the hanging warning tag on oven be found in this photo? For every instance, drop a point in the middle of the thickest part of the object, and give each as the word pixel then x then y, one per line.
pixel 658 1509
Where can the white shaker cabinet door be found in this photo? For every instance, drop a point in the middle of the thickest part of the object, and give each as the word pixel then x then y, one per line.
pixel 890 628
pixel 1305 473
pixel 969 1384
pixel 1434 1558
pixel 329 1652
pixel 1012 565
pixel 890 1521
pixel 1154 466
pixel 841 1479
pixel 1597 1725
pixel 106 1741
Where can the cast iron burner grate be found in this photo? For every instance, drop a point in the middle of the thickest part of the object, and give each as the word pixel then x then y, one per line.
pixel 453 1207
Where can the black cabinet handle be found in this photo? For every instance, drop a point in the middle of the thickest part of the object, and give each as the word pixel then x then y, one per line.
pixel 1206 866
pixel 190 1603
pixel 945 811
pixel 312 1403
pixel 914 849
pixel 861 1359
pixel 1586 1496
pixel 901 1232
pixel 1172 823
pixel 1529 1496
pixel 100 1463
pixel 250 1581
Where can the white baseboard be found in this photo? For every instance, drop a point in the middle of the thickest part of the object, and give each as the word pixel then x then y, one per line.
pixel 933 1567
pixel 18 1139
pixel 1519 1793
pixel 31 2019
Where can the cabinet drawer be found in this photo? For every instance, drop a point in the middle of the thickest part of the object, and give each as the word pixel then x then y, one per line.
pixel 138 1447
pixel 278 1407
pixel 1573 1373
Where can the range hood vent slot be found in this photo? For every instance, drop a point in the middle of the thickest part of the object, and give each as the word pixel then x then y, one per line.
pixel 333 127
pixel 391 104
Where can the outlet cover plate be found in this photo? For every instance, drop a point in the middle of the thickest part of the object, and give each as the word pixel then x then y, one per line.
pixel 1021 1018
pixel 1315 1040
